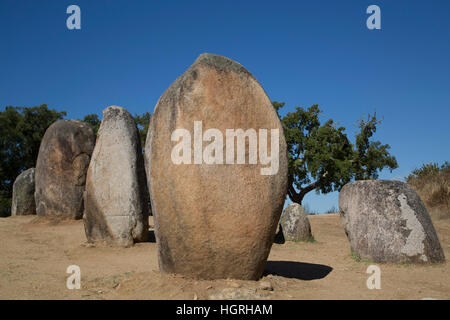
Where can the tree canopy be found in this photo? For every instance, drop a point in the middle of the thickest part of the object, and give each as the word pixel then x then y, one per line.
pixel 93 120
pixel 321 157
pixel 142 122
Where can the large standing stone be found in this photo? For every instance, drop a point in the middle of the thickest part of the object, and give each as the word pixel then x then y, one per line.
pixel 295 223
pixel 61 167
pixel 116 198
pixel 214 220
pixel 23 194
pixel 387 222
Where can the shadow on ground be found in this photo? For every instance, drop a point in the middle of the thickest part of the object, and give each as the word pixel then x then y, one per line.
pixel 151 236
pixel 297 270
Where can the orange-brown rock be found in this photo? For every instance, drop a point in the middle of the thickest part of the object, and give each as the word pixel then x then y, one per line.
pixel 62 163
pixel 215 214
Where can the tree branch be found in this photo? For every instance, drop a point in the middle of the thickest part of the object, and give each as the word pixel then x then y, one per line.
pixel 298 196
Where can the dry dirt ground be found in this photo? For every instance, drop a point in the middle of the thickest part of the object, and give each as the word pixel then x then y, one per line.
pixel 35 253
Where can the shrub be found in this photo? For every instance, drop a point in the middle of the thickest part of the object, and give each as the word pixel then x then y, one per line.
pixel 432 183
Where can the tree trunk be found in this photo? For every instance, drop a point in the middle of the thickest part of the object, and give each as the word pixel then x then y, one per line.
pixel 297 197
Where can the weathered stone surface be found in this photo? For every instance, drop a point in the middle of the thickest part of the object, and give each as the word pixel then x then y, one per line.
pixel 61 167
pixel 214 220
pixel 23 194
pixel 387 222
pixel 116 198
pixel 295 223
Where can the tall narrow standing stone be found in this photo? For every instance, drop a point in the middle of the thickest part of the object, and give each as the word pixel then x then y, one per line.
pixel 61 167
pixel 23 194
pixel 116 198
pixel 215 217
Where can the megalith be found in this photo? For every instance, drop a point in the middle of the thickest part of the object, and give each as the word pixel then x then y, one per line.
pixel 116 198
pixel 23 194
pixel 60 173
pixel 295 223
pixel 217 172
pixel 386 221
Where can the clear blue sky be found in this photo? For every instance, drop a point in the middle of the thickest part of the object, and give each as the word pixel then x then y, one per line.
pixel 302 52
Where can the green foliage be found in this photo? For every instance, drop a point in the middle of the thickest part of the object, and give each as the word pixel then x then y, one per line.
pixel 357 258
pixel 370 156
pixel 313 240
pixel 93 120
pixel 428 169
pixel 21 132
pixel 5 205
pixel 321 157
pixel 143 122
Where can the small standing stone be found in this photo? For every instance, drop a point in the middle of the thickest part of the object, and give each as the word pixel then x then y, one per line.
pixel 295 223
pixel 23 202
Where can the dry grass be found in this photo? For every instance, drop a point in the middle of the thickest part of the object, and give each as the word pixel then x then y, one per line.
pixel 34 256
pixel 432 183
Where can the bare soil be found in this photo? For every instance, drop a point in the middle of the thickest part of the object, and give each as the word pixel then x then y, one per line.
pixel 35 254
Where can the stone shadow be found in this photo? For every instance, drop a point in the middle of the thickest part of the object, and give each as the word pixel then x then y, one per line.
pixel 151 236
pixel 297 270
pixel 279 237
